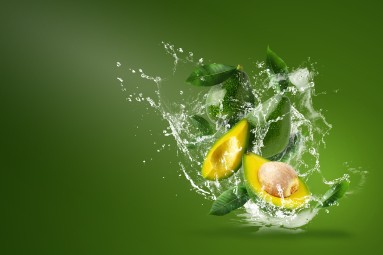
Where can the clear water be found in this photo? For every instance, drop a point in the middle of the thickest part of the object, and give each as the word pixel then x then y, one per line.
pixel 307 121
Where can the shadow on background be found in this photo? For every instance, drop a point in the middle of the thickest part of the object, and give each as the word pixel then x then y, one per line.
pixel 253 232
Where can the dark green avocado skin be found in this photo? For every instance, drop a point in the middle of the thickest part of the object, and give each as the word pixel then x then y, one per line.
pixel 277 113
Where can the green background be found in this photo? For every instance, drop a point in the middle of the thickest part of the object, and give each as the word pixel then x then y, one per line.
pixel 72 177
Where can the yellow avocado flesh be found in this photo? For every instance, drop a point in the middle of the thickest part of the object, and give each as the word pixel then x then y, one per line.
pixel 225 157
pixel 251 165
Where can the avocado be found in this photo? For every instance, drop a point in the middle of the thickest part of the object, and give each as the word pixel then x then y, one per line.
pixel 251 166
pixel 275 115
pixel 230 98
pixel 225 156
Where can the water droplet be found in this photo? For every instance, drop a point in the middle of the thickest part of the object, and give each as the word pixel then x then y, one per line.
pixel 312 151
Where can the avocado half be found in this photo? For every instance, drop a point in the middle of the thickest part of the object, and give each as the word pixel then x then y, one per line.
pixel 225 157
pixel 251 165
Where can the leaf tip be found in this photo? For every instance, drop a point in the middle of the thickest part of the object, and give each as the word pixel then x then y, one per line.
pixel 189 79
pixel 213 212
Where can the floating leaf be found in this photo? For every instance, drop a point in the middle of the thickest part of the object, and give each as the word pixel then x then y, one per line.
pixel 277 66
pixel 275 63
pixel 211 74
pixel 336 192
pixel 202 125
pixel 229 200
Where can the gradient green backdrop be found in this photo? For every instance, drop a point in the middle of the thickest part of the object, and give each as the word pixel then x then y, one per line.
pixel 72 177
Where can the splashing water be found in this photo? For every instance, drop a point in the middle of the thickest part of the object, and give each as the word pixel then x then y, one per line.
pixel 309 129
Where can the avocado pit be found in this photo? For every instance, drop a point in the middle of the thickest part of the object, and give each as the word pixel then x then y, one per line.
pixel 278 179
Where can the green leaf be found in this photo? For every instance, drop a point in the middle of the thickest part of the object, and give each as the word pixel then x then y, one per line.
pixel 335 193
pixel 277 66
pixel 229 200
pixel 211 74
pixel 202 125
pixel 275 63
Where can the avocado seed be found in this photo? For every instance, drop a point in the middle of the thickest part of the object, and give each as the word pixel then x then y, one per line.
pixel 278 179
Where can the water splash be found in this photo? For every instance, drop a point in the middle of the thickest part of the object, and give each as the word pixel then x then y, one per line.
pixel 309 130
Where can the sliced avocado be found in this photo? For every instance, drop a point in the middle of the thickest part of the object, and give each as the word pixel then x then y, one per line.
pixel 275 113
pixel 230 98
pixel 225 157
pixel 251 165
